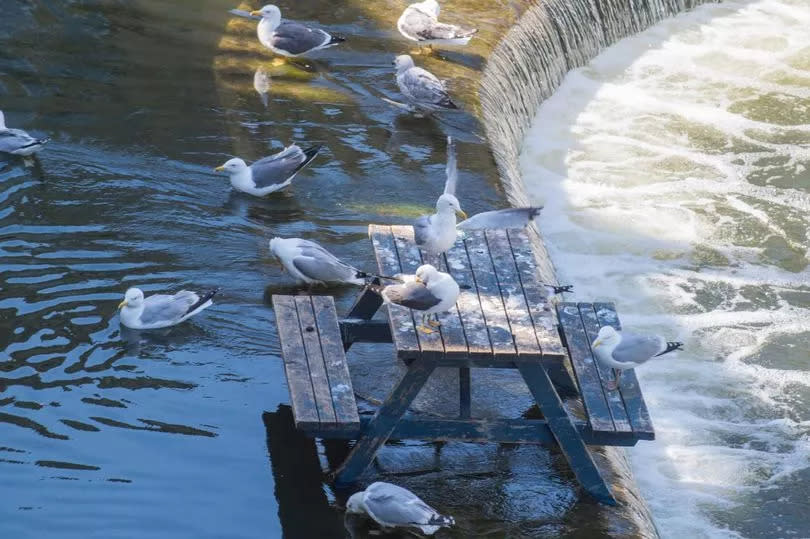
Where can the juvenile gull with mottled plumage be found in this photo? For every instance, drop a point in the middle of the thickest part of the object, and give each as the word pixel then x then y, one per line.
pixel 290 38
pixel 270 174
pixel 421 88
pixel 392 506
pixel 420 22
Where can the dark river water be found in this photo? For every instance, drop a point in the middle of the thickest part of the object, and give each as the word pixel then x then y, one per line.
pixel 108 433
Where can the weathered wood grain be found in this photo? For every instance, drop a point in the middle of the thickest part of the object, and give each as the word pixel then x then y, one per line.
pixel 337 368
pixel 536 294
pixel 403 327
pixel 295 362
pixel 514 301
pixel 489 295
pixel 409 260
pixel 590 387
pixel 315 359
pixel 635 406
pixel 614 398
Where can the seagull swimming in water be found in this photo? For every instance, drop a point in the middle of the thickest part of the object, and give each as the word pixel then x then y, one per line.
pixel 270 174
pixel 289 38
pixel 429 291
pixel 310 263
pixel 392 506
pixel 622 351
pixel 420 22
pixel 422 89
pixel 17 141
pixel 161 310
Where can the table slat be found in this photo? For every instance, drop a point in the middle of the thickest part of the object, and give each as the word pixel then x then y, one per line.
pixel 315 359
pixel 489 296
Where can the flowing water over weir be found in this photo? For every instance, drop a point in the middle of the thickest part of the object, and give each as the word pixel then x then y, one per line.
pixel 674 172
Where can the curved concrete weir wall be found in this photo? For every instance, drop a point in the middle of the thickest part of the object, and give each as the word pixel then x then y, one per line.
pixel 551 38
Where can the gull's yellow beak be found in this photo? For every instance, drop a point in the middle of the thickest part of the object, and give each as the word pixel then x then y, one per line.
pixel 461 214
pixel 418 280
pixel 122 304
pixel 596 344
pixel 220 168
pixel 256 13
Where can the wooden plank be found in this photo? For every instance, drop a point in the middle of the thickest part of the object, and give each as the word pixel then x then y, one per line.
pixel 614 398
pixel 403 329
pixel 489 296
pixel 514 301
pixel 385 420
pixel 315 359
pixel 295 361
pixel 536 294
pixel 566 433
pixel 337 369
pixel 629 387
pixel 409 260
pixel 590 387
pixel 472 317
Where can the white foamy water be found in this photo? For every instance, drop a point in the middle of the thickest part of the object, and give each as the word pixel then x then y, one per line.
pixel 675 173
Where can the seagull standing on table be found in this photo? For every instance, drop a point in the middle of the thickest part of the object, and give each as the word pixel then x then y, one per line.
pixel 392 506
pixel 310 263
pixel 622 351
pixel 429 291
pixel 420 22
pixel 289 38
pixel 17 141
pixel 423 90
pixel 161 310
pixel 270 174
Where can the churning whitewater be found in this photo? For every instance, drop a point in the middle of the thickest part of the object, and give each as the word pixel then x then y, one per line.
pixel 675 174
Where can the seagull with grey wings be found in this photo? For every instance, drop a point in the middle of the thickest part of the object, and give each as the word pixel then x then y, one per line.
pixel 622 351
pixel 424 92
pixel 290 38
pixel 428 291
pixel 270 174
pixel 311 264
pixel 392 506
pixel 161 310
pixel 17 141
pixel 420 22
pixel 437 233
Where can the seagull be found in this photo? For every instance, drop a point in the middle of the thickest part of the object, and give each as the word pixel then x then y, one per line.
pixel 420 22
pixel 501 219
pixel 429 291
pixel 310 263
pixel 161 310
pixel 17 141
pixel 270 174
pixel 289 38
pixel 392 506
pixel 622 351
pixel 420 87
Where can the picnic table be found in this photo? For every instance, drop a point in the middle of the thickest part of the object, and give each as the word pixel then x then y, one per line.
pixel 502 319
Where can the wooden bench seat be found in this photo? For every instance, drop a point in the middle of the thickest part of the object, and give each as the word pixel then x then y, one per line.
pixel 321 390
pixel 619 412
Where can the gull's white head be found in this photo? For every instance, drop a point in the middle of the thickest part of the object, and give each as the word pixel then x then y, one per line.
pixel 430 6
pixel 133 298
pixel 447 203
pixel 232 166
pixel 607 337
pixel 426 273
pixel 275 243
pixel 270 12
pixel 355 503
pixel 403 62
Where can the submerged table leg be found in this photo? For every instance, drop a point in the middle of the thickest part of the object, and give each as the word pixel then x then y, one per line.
pixel 385 420
pixel 566 434
pixel 464 392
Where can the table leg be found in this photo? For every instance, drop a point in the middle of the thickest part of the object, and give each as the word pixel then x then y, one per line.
pixel 565 433
pixel 385 420
pixel 464 392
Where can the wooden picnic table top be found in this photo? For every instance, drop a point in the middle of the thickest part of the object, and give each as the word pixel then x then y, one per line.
pixel 503 312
